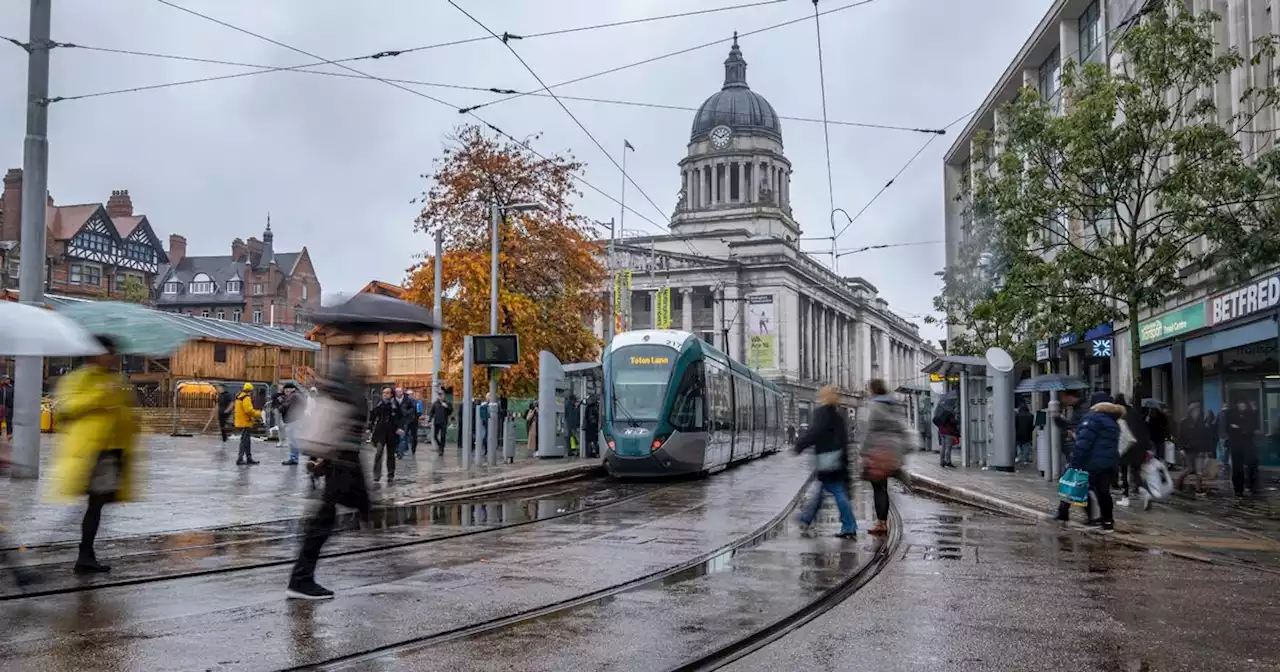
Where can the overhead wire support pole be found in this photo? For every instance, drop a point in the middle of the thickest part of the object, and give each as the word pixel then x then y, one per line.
pixel 29 371
pixel 826 134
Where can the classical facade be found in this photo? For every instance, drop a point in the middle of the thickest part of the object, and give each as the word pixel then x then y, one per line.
pixel 737 276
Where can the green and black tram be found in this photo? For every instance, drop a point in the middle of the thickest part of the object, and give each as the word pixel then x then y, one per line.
pixel 675 405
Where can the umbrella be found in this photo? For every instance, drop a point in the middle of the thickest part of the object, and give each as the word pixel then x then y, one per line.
pixel 375 312
pixel 1154 403
pixel 137 330
pixel 1051 382
pixel 36 332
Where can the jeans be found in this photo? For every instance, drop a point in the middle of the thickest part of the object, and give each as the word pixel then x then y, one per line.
pixel 944 456
pixel 1130 479
pixel 402 444
pixel 224 425
pixel 1024 452
pixel 848 524
pixel 411 436
pixel 246 445
pixel 1100 488
pixel 290 433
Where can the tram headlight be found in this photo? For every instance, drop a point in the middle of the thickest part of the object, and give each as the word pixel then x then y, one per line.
pixel 658 441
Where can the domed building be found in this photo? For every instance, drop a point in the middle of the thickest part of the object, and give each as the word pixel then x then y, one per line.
pixel 737 277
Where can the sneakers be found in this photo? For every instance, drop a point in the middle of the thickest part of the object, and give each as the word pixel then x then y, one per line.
pixel 1123 501
pixel 289 463
pixel 848 535
pixel 1107 528
pixel 309 590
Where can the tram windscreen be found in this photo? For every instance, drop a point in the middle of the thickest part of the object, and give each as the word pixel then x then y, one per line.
pixel 640 375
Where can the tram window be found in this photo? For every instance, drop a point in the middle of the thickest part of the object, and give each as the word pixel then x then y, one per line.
pixel 743 391
pixel 688 411
pixel 719 391
pixel 640 377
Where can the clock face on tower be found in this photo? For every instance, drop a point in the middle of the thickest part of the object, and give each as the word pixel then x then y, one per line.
pixel 720 137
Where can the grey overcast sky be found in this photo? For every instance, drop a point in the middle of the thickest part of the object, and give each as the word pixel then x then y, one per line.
pixel 336 161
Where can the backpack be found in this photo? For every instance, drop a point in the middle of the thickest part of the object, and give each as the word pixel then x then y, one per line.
pixel 945 420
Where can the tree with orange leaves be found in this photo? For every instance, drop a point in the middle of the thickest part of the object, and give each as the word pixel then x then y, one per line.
pixel 549 268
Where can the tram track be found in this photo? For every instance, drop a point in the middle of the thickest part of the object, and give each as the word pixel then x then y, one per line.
pixel 417 644
pixel 38 591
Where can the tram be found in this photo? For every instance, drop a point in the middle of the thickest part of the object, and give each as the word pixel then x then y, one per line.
pixel 674 405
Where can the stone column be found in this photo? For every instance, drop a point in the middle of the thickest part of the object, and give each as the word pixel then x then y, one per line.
pixel 686 309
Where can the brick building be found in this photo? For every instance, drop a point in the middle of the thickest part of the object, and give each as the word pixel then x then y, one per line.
pixel 93 250
pixel 253 284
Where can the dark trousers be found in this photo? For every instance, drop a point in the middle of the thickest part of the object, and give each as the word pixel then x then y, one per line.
pixel 344 484
pixel 1130 479
pixel 224 425
pixel 1100 488
pixel 1244 469
pixel 439 432
pixel 411 435
pixel 880 497
pixel 387 442
pixel 89 526
pixel 246 445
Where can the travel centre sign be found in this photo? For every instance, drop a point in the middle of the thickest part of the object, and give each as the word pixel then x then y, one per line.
pixel 1172 323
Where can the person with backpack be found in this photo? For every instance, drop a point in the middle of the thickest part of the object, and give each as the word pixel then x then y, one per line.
pixel 828 436
pixel 947 421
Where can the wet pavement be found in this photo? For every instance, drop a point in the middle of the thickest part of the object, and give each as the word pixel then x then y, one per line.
pixel 191 483
pixel 976 591
pixel 240 620
pixel 209 551
pixel 1215 528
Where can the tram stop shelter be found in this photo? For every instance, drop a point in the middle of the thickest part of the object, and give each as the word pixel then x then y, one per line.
pixel 565 389
pixel 970 382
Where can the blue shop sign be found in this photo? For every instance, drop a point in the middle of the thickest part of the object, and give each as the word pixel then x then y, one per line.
pixel 1101 331
pixel 1068 340
pixel 1102 347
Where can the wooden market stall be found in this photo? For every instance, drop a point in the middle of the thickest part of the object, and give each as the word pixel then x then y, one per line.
pixel 392 360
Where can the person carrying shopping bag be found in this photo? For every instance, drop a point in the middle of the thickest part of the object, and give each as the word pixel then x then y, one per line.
pixel 95 454
pixel 883 446
pixel 828 435
pixel 1097 454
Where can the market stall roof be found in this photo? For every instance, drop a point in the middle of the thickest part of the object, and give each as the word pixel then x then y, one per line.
pixel 222 330
pixel 950 364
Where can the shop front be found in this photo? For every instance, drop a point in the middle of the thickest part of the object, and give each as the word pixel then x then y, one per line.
pixel 1088 356
pixel 1219 352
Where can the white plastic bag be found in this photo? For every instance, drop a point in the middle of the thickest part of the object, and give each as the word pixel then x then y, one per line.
pixel 1170 453
pixel 1155 476
pixel 321 433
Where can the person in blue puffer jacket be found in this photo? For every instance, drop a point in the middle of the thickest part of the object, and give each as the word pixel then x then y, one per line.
pixel 1097 452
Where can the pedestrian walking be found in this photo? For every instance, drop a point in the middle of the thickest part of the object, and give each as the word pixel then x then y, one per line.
pixel 1096 452
pixel 1241 428
pixel 946 418
pixel 344 483
pixel 226 412
pixel 246 416
pixel 293 408
pixel 408 417
pixel 6 404
pixel 441 411
pixel 883 446
pixel 531 427
pixel 591 426
pixel 1198 439
pixel 828 436
pixel 1133 455
pixel 95 455
pixel 1024 424
pixel 384 420
pixel 412 428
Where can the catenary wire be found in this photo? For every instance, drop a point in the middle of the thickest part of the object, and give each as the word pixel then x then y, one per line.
pixel 669 54
pixel 459 87
pixel 581 180
pixel 868 248
pixel 507 43
pixel 826 134
pixel 901 170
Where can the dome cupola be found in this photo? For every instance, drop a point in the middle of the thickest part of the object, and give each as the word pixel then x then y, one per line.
pixel 735 105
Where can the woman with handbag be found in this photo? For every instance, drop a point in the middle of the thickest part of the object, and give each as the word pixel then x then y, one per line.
pixel 828 435
pixel 1097 454
pixel 882 448
pixel 95 453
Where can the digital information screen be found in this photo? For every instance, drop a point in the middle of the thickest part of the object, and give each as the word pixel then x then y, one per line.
pixel 500 350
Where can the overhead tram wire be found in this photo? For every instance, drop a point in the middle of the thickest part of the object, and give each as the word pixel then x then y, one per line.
pixel 678 52
pixel 581 180
pixel 826 138
pixel 902 170
pixel 415 82
pixel 506 42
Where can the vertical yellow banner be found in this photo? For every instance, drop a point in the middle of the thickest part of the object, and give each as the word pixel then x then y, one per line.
pixel 664 308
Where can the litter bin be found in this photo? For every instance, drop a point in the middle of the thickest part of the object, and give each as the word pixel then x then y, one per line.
pixel 509 440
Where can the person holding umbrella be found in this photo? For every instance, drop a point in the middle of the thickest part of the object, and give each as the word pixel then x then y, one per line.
pixel 95 453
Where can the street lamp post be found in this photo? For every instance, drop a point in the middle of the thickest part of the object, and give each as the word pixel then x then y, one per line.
pixel 496 211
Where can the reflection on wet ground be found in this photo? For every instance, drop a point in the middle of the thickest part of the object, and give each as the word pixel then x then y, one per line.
pixel 680 617
pixel 203 551
pixel 974 591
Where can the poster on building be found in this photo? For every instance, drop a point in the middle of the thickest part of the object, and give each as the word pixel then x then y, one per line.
pixel 663 320
pixel 762 336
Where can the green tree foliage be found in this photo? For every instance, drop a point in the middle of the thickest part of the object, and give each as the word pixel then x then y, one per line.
pixel 134 290
pixel 1107 208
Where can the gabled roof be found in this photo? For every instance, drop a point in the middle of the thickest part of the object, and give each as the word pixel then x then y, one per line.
pixel 219 269
pixel 65 221
pixel 383 288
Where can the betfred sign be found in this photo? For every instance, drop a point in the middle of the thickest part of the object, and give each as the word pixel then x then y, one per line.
pixel 1252 298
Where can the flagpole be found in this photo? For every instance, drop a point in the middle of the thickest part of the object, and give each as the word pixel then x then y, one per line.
pixel 622 217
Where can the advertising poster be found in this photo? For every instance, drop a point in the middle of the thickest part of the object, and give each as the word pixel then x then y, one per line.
pixel 762 336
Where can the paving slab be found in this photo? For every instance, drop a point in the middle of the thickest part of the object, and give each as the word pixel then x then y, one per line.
pixel 1245 531
pixel 194 483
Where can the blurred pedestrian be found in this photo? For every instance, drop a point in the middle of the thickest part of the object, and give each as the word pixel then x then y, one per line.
pixel 95 453
pixel 1198 438
pixel 226 410
pixel 1024 424
pixel 883 446
pixel 531 427
pixel 292 408
pixel 828 435
pixel 384 420
pixel 6 404
pixel 1241 426
pixel 408 416
pixel 1096 452
pixel 343 414
pixel 246 416
pixel 1133 455
pixel 591 426
pixel 441 411
pixel 946 418
pixel 412 429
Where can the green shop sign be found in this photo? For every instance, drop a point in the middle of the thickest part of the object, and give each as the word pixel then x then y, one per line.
pixel 1171 324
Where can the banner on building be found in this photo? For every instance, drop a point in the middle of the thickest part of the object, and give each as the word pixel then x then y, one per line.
pixel 663 308
pixel 762 336
pixel 622 301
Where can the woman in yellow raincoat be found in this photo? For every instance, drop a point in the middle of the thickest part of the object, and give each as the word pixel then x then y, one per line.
pixel 95 454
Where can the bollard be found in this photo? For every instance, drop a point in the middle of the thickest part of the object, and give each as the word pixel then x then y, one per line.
pixel 509 440
pixel 491 447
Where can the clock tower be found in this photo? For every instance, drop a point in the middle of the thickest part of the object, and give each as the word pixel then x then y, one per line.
pixel 735 176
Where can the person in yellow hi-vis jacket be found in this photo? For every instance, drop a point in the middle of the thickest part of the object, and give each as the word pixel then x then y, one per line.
pixel 95 453
pixel 246 416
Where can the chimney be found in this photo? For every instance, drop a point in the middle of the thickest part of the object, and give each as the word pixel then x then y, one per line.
pixel 11 205
pixel 255 248
pixel 177 249
pixel 238 249
pixel 120 205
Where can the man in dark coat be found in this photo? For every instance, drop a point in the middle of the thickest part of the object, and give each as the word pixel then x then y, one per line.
pixel 1024 424
pixel 1241 426
pixel 226 404
pixel 384 419
pixel 591 426
pixel 1096 451
pixel 828 435
pixel 440 412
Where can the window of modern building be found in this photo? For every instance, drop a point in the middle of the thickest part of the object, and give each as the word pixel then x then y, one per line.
pixel 1090 26
pixel 85 274
pixel 1051 81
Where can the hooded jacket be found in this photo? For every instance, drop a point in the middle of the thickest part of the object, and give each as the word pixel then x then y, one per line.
pixel 1098 438
pixel 246 414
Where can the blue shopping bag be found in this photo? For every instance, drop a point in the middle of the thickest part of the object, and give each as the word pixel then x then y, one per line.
pixel 1073 487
